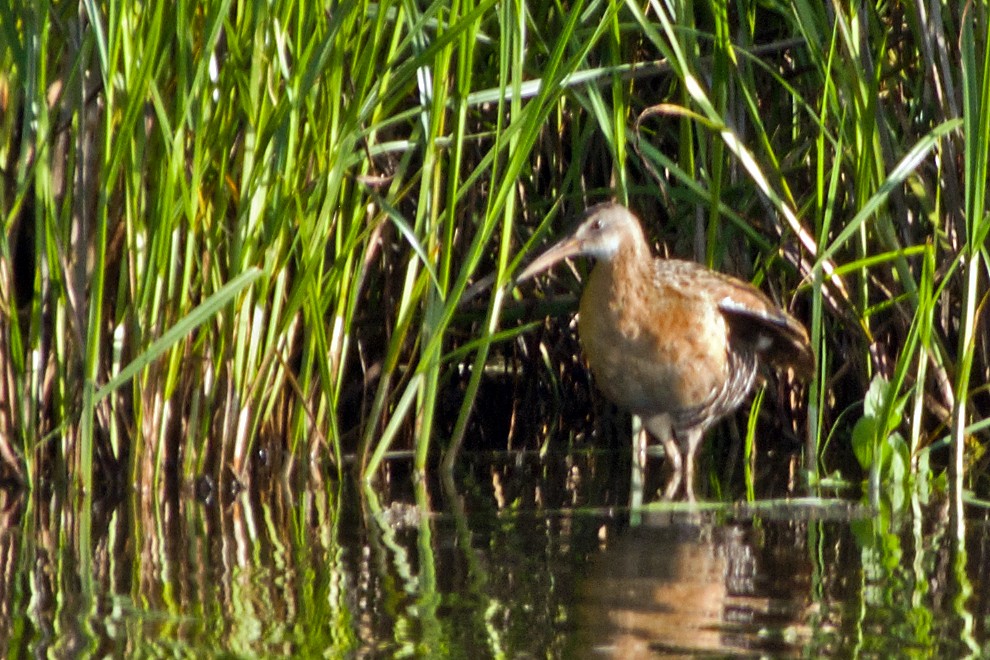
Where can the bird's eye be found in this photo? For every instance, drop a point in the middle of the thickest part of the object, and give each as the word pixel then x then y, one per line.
pixel 597 224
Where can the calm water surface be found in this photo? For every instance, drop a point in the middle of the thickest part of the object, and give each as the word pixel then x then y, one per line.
pixel 519 557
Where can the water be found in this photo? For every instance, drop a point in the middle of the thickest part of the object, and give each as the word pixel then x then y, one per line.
pixel 518 557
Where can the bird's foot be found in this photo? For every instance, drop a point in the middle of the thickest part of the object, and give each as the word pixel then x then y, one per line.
pixel 673 486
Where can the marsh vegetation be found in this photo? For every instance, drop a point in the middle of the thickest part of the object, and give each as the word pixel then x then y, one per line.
pixel 248 241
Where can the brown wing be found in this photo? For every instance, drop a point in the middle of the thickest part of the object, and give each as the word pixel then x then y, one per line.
pixel 776 336
pixel 755 323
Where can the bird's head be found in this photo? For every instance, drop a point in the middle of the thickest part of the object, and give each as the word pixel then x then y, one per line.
pixel 603 230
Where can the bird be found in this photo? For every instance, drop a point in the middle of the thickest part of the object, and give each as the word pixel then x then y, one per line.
pixel 672 341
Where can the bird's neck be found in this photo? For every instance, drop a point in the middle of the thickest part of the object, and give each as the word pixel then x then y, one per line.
pixel 630 267
pixel 633 252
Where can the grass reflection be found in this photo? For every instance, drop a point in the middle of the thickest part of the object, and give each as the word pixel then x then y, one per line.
pixel 492 563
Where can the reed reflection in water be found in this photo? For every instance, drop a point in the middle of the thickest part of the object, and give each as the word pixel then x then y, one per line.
pixel 520 556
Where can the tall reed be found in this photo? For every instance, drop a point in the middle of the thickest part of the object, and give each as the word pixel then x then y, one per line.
pixel 240 231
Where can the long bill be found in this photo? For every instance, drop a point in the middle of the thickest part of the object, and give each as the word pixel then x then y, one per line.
pixel 568 247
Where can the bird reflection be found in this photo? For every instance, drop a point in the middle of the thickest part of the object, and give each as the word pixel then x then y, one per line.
pixel 680 587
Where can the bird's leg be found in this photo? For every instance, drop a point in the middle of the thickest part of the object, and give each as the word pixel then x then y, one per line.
pixel 661 428
pixel 640 442
pixel 638 478
pixel 676 462
pixel 670 492
pixel 689 486
pixel 693 437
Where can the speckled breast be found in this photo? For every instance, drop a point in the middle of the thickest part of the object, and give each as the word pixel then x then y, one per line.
pixel 658 346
